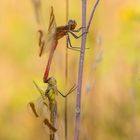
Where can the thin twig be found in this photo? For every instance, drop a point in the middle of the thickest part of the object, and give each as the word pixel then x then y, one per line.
pixel 92 14
pixel 80 73
pixel 66 71
pixel 66 64
pixel 81 64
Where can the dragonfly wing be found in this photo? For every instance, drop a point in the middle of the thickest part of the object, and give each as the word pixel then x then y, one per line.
pixel 46 41
pixel 32 107
pixel 39 108
pixel 49 125
pixel 52 23
pixel 48 44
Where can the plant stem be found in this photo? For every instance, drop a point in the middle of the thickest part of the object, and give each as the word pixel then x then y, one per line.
pixel 92 14
pixel 80 73
pixel 81 64
pixel 66 72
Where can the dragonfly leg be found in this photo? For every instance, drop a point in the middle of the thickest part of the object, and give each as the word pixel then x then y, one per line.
pixel 69 45
pixel 78 30
pixel 74 49
pixel 75 36
pixel 70 91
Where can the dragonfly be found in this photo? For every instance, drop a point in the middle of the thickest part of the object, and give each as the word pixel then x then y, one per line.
pixel 50 39
pixel 48 102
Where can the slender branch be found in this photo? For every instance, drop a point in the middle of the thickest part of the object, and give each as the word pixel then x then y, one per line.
pixel 92 14
pixel 66 55
pixel 81 64
pixel 80 73
pixel 66 72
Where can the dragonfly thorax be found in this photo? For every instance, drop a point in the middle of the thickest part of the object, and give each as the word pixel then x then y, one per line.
pixel 72 24
pixel 52 81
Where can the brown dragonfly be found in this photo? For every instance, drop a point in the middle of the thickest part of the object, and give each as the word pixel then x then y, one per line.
pixel 50 40
pixel 46 106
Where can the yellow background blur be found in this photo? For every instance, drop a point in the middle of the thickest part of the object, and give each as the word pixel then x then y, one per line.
pixel 111 80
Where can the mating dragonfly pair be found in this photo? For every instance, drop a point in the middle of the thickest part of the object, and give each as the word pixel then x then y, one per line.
pixel 50 40
pixel 47 105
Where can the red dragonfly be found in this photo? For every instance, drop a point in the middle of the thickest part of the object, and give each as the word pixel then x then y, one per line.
pixel 50 40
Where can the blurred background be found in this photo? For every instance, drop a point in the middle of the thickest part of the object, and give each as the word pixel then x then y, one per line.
pixel 111 78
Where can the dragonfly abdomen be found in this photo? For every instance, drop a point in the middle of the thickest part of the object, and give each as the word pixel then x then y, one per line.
pixel 61 34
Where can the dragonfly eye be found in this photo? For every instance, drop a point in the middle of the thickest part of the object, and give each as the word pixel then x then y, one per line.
pixel 72 24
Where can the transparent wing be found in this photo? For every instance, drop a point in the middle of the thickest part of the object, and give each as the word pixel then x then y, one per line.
pixel 46 41
pixel 52 23
pixel 39 108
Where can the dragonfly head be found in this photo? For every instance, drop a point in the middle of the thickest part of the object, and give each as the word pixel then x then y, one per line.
pixel 52 81
pixel 72 24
